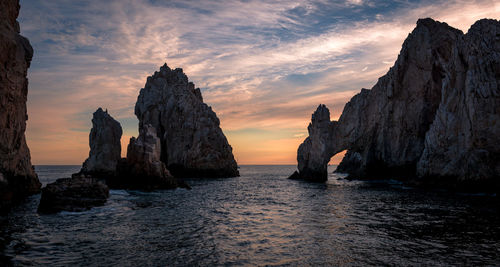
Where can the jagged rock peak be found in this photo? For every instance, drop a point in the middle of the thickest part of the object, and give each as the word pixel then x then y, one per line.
pixel 192 143
pixel 321 114
pixel 433 24
pixel 105 147
pixel 433 117
pixel 17 176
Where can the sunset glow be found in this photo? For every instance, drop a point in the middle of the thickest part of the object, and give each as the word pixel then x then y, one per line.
pixel 263 66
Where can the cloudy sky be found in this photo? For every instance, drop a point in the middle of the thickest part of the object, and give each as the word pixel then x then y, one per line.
pixel 263 66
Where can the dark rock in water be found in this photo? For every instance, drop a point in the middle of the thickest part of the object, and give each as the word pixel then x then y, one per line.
pixel 17 176
pixel 130 178
pixel 143 169
pixel 433 117
pixel 192 143
pixel 105 147
pixel 295 176
pixel 314 150
pixel 73 194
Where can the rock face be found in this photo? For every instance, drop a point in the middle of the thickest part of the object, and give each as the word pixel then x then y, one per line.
pixel 144 153
pixel 143 168
pixel 105 147
pixel 192 143
pixel 435 115
pixel 315 149
pixel 73 194
pixel 464 140
pixel 17 176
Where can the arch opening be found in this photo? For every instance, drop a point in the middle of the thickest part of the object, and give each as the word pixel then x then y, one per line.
pixel 335 161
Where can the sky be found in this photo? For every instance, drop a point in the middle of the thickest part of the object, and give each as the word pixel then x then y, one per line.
pixel 263 66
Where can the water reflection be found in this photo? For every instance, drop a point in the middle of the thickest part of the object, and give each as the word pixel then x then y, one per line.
pixel 262 218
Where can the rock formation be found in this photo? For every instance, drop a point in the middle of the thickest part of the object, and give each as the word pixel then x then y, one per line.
pixel 434 116
pixel 73 194
pixel 143 168
pixel 144 153
pixel 316 146
pixel 105 147
pixel 87 189
pixel 464 139
pixel 17 176
pixel 192 143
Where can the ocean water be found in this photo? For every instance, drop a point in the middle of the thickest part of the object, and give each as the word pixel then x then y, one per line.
pixel 260 218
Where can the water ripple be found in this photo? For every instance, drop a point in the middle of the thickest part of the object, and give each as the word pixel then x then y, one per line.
pixel 260 218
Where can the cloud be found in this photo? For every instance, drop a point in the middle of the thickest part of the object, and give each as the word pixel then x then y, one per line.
pixel 260 64
pixel 355 2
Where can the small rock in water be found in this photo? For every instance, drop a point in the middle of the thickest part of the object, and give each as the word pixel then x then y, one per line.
pixel 73 194
pixel 295 175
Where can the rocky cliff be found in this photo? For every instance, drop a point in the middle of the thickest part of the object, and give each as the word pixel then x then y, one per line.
pixel 434 116
pixel 192 143
pixel 105 147
pixel 17 176
pixel 463 141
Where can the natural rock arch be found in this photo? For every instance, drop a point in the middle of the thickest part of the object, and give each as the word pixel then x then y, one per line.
pixel 434 114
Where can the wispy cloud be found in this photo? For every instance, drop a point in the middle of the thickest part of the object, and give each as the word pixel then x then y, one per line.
pixel 261 64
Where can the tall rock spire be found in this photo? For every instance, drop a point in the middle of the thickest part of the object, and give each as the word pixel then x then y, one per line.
pixel 105 146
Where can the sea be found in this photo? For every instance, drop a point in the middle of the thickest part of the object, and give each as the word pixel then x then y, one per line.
pixel 259 219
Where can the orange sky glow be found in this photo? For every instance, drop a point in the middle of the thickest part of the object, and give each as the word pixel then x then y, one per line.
pixel 263 88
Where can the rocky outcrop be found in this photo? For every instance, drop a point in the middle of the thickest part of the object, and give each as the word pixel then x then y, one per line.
pixel 144 153
pixel 143 168
pixel 433 116
pixel 105 147
pixel 73 194
pixel 17 176
pixel 192 143
pixel 178 133
pixel 314 151
pixel 463 141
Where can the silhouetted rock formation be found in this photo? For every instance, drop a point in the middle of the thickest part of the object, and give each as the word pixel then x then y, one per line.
pixel 434 116
pixel 87 189
pixel 464 138
pixel 105 147
pixel 17 176
pixel 176 129
pixel 73 194
pixel 143 169
pixel 192 143
pixel 314 150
